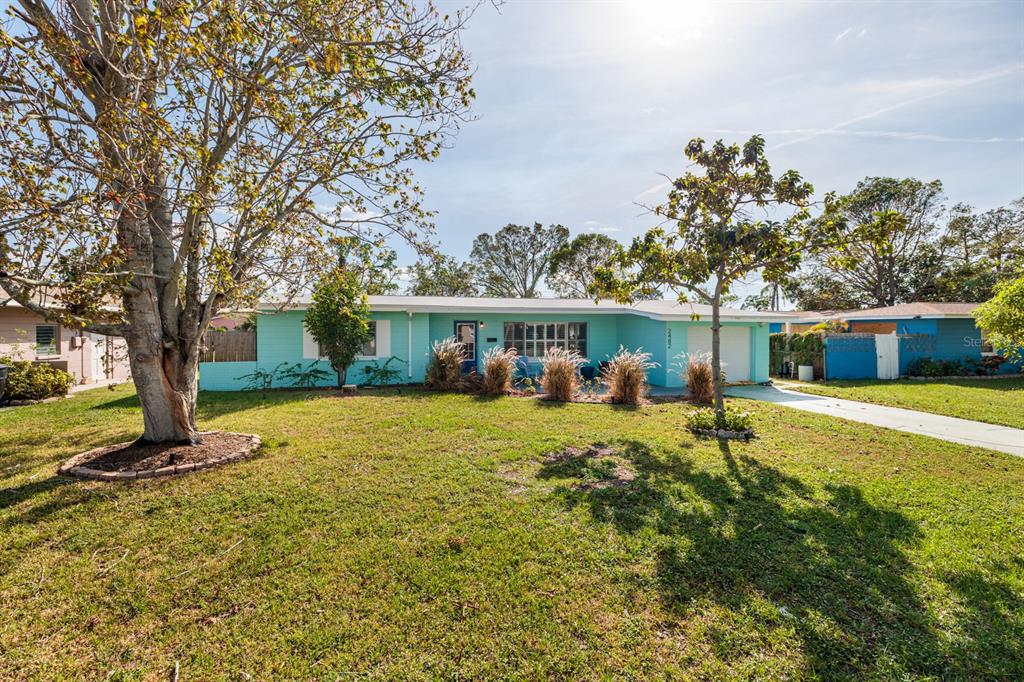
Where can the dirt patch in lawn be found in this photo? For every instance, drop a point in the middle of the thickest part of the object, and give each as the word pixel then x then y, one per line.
pixel 573 452
pixel 149 460
pixel 598 466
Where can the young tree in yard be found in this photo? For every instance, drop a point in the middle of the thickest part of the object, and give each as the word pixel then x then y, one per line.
pixel 1002 318
pixel 168 157
pixel 513 261
pixel 441 275
pixel 571 272
pixel 721 225
pixel 338 318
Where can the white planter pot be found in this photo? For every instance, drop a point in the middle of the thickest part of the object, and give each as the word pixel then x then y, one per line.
pixel 805 373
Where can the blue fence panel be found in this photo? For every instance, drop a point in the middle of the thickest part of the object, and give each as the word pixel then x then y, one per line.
pixel 851 356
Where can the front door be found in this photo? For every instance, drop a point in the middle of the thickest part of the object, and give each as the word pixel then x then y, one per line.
pixel 465 333
pixel 887 351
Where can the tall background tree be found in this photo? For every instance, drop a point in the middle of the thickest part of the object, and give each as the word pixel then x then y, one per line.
pixel 441 275
pixel 889 265
pixel 513 262
pixel 572 267
pixel 932 254
pixel 167 157
pixel 722 221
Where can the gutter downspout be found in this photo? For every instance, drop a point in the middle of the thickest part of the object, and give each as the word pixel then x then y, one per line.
pixel 409 363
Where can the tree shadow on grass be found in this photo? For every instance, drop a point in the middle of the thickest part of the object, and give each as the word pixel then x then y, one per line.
pixel 991 627
pixel 830 564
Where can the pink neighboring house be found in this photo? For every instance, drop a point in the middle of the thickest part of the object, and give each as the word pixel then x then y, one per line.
pixel 89 358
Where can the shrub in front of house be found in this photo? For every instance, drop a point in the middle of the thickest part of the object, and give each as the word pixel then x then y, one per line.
pixel 499 368
pixel 732 419
pixel 626 376
pixel 31 381
pixel 698 376
pixel 560 378
pixel 444 371
pixel 927 367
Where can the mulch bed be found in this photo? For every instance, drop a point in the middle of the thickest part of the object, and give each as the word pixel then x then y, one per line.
pixel 150 460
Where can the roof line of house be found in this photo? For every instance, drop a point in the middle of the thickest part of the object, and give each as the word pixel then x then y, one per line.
pixel 559 307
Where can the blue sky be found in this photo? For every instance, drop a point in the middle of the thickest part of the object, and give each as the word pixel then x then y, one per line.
pixel 582 104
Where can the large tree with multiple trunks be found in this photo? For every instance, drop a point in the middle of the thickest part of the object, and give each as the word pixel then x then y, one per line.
pixel 160 160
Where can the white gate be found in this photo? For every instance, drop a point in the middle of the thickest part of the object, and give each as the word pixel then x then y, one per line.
pixel 887 349
pixel 99 348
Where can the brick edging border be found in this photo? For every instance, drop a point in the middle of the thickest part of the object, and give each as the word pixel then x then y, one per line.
pixel 71 466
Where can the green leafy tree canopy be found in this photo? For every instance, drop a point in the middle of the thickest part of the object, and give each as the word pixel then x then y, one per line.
pixel 442 275
pixel 1002 318
pixel 717 231
pixel 572 268
pixel 338 318
pixel 375 265
pixel 174 156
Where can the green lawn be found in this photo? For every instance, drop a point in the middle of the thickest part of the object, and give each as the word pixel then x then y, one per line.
pixel 418 536
pixel 994 401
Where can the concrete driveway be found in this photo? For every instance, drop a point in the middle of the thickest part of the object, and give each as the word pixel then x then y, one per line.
pixel 991 436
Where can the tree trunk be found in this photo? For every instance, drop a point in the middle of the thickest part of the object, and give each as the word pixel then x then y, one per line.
pixel 166 385
pixel 164 369
pixel 716 354
pixel 342 372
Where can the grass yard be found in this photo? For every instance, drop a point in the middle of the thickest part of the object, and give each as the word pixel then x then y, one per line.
pixel 993 401
pixel 418 536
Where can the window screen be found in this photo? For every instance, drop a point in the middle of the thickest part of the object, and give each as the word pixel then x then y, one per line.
pixel 46 339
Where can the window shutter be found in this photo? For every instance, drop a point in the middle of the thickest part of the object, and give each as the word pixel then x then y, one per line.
pixel 383 338
pixel 310 348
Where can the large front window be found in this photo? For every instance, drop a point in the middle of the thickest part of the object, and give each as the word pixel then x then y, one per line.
pixel 532 339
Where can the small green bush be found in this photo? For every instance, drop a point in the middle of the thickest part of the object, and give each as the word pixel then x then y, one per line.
pixel 927 367
pixel 733 419
pixel 31 381
pixel 377 374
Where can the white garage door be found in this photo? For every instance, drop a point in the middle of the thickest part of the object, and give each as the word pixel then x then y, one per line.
pixel 735 349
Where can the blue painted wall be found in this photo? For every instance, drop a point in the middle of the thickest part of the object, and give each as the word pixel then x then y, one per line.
pixel 224 376
pixel 637 332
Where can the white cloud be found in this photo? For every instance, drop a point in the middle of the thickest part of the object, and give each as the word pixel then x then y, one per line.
pixel 950 85
pixel 845 32
pixel 888 134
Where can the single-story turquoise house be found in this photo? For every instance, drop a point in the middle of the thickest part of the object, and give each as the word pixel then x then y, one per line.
pixel 405 328
pixel 882 342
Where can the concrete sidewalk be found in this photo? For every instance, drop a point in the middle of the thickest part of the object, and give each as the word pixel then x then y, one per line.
pixel 991 436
